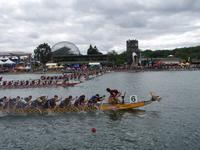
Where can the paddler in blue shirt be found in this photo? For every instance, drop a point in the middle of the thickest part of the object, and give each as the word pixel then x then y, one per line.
pixel 94 99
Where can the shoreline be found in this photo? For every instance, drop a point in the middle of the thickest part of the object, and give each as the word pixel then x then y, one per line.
pixel 20 73
pixel 112 70
pixel 156 70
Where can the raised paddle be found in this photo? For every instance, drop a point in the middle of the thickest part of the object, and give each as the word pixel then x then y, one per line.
pixel 123 97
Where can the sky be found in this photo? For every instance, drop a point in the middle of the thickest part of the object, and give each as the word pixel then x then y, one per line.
pixel 156 24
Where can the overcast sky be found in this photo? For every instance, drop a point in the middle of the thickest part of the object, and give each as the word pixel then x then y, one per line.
pixel 157 24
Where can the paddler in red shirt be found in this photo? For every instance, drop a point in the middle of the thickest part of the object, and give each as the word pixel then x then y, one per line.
pixel 114 96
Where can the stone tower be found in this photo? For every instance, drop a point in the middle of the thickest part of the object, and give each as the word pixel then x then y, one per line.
pixel 133 52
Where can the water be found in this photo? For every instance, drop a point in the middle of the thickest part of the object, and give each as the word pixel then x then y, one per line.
pixel 172 123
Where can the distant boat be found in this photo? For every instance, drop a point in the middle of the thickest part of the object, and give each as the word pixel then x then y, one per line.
pixel 67 84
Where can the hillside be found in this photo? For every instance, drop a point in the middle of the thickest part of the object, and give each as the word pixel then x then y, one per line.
pixel 184 53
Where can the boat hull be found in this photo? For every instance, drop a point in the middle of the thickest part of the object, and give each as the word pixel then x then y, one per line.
pixel 121 106
pixel 104 107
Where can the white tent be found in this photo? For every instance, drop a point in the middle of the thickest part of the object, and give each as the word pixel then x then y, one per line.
pixel 4 58
pixel 51 64
pixel 14 57
pixel 94 63
pixel 27 68
pixel 1 62
pixel 9 62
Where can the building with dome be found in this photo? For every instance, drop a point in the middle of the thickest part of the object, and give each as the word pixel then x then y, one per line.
pixel 68 53
pixel 65 49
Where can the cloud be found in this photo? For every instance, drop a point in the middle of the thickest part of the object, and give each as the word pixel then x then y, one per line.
pixel 156 24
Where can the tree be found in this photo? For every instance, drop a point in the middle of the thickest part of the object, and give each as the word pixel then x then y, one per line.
pixel 112 57
pixel 121 58
pixel 93 51
pixel 90 49
pixel 43 53
pixel 183 53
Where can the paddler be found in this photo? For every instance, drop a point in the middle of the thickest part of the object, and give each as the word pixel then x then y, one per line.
pixel 114 96
pixel 28 101
pixel 66 102
pixel 39 102
pixel 20 103
pixel 51 103
pixel 2 101
pixel 94 99
pixel 80 101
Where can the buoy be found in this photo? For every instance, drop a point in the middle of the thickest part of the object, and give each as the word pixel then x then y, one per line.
pixel 93 130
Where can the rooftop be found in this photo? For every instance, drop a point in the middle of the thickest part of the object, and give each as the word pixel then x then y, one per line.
pixel 14 53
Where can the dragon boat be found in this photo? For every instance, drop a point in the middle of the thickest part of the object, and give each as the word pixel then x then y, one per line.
pixel 38 86
pixel 133 103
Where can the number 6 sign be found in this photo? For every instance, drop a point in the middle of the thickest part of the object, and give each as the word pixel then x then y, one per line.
pixel 133 98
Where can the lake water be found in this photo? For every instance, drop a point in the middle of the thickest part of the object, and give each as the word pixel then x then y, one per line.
pixel 173 123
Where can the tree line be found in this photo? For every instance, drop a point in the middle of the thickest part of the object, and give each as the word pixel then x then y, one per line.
pixel 183 53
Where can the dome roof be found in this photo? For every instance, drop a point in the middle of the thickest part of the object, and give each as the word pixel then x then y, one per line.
pixel 65 48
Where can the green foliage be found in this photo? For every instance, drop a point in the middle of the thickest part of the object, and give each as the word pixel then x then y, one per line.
pixel 116 59
pixel 192 52
pixel 112 57
pixel 43 53
pixel 183 53
pixel 157 54
pixel 93 51
pixel 121 58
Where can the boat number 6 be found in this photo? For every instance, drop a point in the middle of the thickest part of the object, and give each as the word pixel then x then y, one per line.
pixel 133 98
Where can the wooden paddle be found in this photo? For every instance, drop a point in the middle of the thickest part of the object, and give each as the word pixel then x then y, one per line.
pixel 123 97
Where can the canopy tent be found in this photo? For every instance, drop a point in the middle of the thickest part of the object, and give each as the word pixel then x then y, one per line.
pixel 27 68
pixel 10 62
pixel 51 64
pixel 94 63
pixel 2 63
pixel 4 58
pixel 14 57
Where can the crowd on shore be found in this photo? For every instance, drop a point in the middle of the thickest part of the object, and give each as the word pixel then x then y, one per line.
pixel 77 72
pixel 147 69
